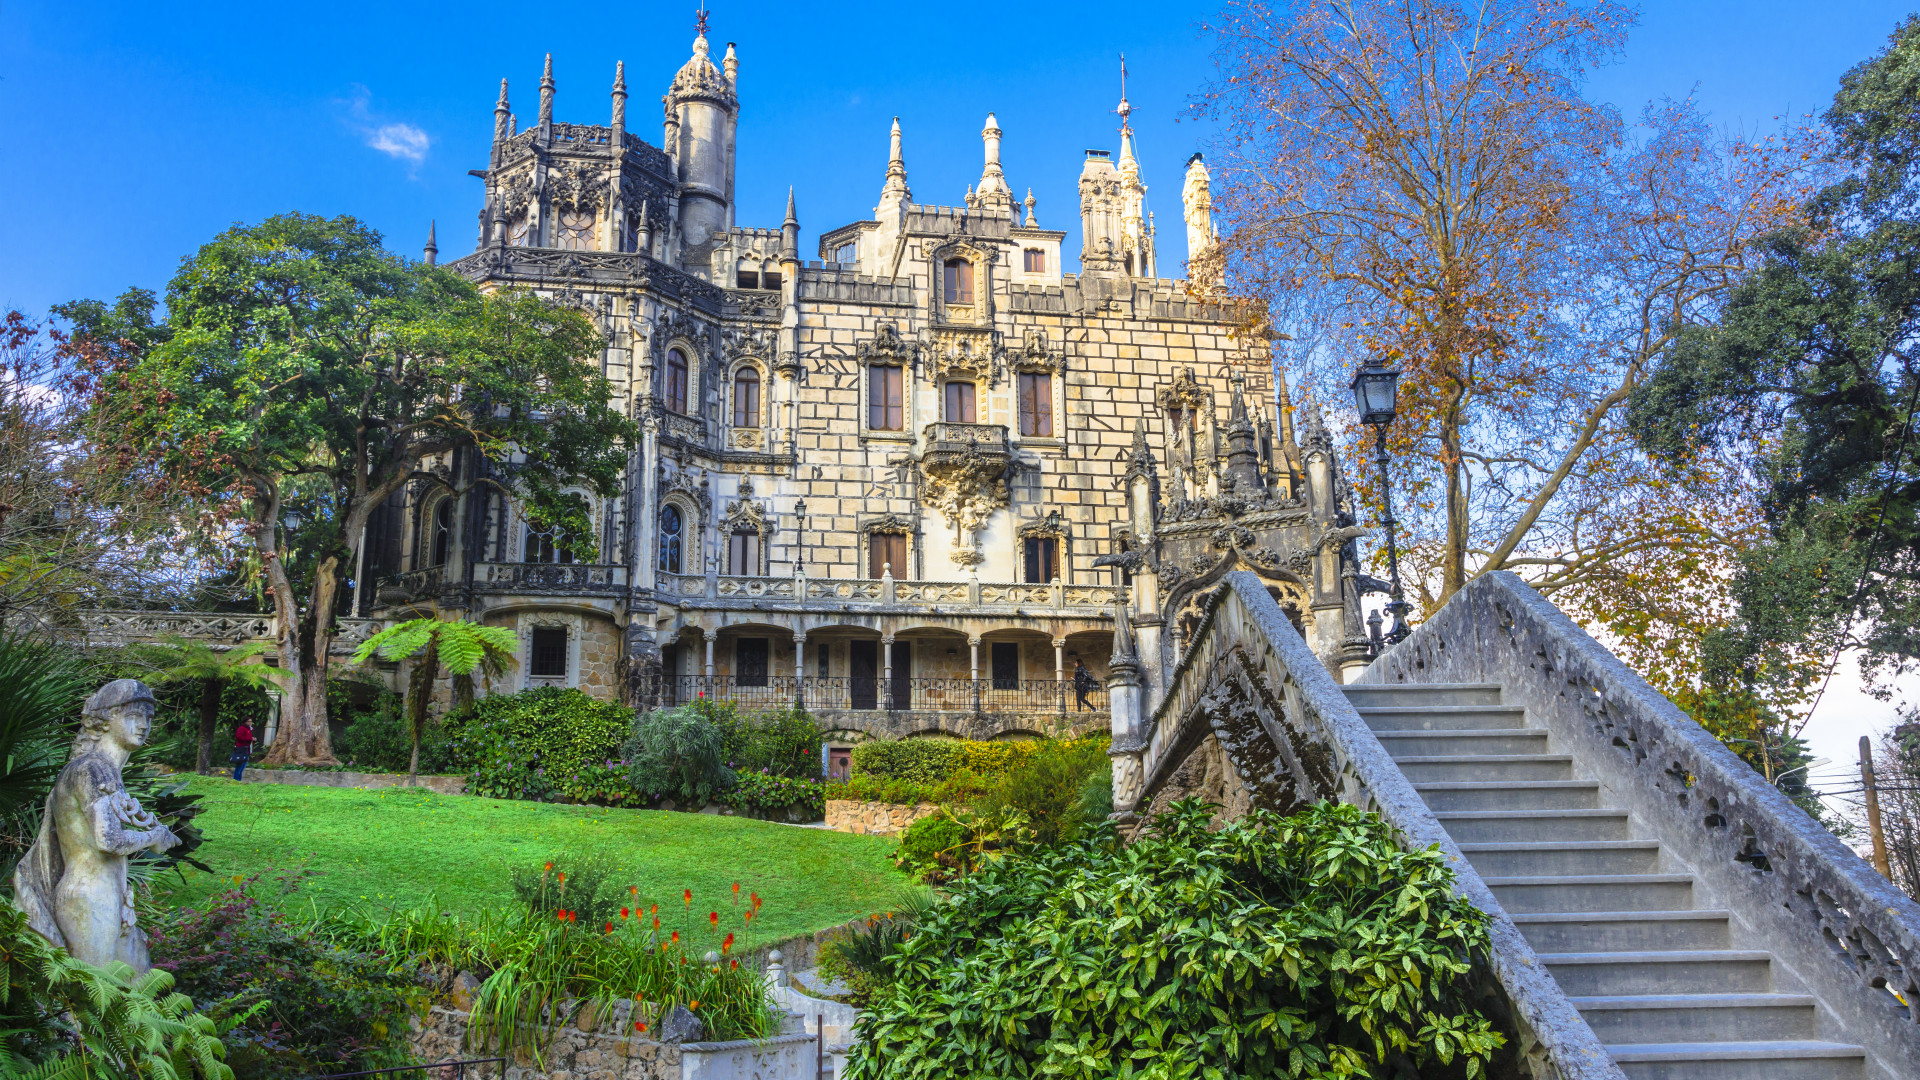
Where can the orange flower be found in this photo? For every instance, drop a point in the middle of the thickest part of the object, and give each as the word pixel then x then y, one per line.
pixel 749 914
pixel 562 875
pixel 714 918
pixel 549 867
pixel 689 895
pixel 694 1004
pixel 727 945
pixel 736 888
pixel 635 890
pixel 639 1025
pixel 609 926
pixel 676 937
pixel 736 965
pixel 656 922
pixel 654 910
pixel 561 915
pixel 623 913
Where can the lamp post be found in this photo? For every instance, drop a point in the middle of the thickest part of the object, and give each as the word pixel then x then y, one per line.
pixel 1374 388
pixel 800 537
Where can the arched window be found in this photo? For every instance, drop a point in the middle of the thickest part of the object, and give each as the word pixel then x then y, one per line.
pixel 960 403
pixel 676 380
pixel 743 552
pixel 959 281
pixel 546 546
pixel 519 227
pixel 1035 260
pixel 576 230
pixel 746 399
pixel 670 540
pixel 441 538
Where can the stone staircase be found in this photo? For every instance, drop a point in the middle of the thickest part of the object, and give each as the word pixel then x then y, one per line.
pixel 1665 978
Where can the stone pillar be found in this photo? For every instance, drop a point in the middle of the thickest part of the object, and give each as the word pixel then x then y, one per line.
pixel 973 664
pixel 799 658
pixel 710 635
pixel 886 671
pixel 1128 718
pixel 1059 659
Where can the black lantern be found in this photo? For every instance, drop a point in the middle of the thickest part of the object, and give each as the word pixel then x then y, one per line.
pixel 800 536
pixel 1375 387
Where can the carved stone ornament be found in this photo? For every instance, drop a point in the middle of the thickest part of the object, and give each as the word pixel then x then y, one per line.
pixel 887 346
pixel 1049 526
pixel 72 883
pixel 517 192
pixel 746 438
pixel 577 185
pixel 964 354
pixel 1185 394
pixel 682 484
pixel 966 485
pixel 1033 355
pixel 889 523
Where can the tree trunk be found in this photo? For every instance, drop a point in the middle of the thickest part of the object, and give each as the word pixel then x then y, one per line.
pixel 209 716
pixel 1453 562
pixel 306 739
pixel 425 670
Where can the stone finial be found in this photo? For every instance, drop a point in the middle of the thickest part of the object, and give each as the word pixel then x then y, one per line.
pixel 895 191
pixel 432 250
pixel 790 232
pixel 994 191
pixel 1031 222
pixel 619 102
pixel 730 63
pixel 546 93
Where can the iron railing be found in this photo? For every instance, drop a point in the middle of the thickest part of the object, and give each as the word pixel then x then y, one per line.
pixel 875 693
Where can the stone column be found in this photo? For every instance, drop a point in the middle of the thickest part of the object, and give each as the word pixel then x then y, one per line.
pixel 973 664
pixel 800 665
pixel 711 636
pixel 886 671
pixel 1059 659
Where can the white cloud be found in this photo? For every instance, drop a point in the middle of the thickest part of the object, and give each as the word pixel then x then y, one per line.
pixel 394 138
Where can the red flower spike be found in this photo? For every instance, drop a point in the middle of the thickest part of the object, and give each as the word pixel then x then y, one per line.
pixel 562 875
pixel 623 913
pixel 736 888
pixel 656 922
pixel 694 1004
pixel 676 937
pixel 714 918
pixel 609 927
pixel 736 965
pixel 635 890
pixel 727 945
pixel 639 1025
pixel 689 896
pixel 654 910
pixel 549 866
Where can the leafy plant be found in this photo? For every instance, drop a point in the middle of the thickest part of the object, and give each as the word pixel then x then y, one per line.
pixel 310 1005
pixel 861 958
pixel 464 649
pixel 805 800
pixel 61 1019
pixel 41 687
pixel 1046 786
pixel 184 660
pixel 920 761
pixel 933 848
pixel 783 742
pixel 569 882
pixel 1304 946
pixel 544 744
pixel 679 753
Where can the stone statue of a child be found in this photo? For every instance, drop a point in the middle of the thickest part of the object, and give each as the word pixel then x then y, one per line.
pixel 72 883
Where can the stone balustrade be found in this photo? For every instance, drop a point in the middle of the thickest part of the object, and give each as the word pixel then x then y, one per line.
pixel 1006 598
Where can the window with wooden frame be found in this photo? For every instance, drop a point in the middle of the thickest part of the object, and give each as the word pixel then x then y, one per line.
pixel 1043 559
pixel 746 399
pixel 743 553
pixel 959 283
pixel 1034 261
pixel 886 398
pixel 886 552
pixel 960 403
pixel 676 397
pixel 1036 404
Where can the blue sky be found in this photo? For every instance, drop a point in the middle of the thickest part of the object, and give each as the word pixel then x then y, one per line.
pixel 137 131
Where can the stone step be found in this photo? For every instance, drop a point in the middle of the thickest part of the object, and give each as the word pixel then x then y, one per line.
pixel 1514 795
pixel 1672 1018
pixel 1594 892
pixel 1445 718
pixel 1503 742
pixel 1624 931
pixel 1561 859
pixel 1769 1060
pixel 1366 694
pixel 1487 768
pixel 1529 826
pixel 1673 971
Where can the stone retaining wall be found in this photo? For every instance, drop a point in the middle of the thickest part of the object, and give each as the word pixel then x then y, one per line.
pixel 445 785
pixel 586 1052
pixel 874 818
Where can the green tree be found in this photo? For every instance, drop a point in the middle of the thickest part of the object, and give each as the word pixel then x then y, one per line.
pixel 306 374
pixel 1810 375
pixel 462 648
pixel 182 660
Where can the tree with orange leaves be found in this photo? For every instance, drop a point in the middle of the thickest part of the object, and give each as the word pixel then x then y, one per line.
pixel 1423 181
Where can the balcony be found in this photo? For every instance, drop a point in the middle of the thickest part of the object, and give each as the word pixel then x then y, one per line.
pixel 803 593
pixel 950 443
pixel 551 579
pixel 1049 697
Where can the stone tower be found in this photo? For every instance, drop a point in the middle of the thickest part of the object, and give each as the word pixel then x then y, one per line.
pixel 702 111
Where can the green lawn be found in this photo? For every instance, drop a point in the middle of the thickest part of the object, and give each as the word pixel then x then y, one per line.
pixel 397 846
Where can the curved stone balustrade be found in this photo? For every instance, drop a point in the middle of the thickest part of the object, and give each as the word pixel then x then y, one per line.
pixel 1003 597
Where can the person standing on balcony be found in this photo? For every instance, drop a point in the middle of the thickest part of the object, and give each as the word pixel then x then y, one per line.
pixel 1082 684
pixel 242 748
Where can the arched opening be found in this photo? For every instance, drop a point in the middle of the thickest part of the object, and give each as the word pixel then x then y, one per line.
pixel 746 399
pixel 575 232
pixel 676 396
pixel 546 546
pixel 440 540
pixel 671 530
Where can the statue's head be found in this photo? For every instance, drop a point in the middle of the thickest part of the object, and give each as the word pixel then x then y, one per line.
pixel 119 712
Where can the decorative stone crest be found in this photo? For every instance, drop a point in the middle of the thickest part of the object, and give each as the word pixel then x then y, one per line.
pixel 1185 394
pixel 965 354
pixel 887 347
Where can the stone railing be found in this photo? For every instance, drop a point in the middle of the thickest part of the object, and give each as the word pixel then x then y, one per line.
pixel 1846 932
pixel 411 584
pixel 952 438
pixel 551 579
pixel 889 592
pixel 108 627
pixel 1250 680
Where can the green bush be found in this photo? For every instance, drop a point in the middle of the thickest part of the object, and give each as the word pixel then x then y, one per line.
pixel 546 744
pixel 1310 945
pixel 860 958
pixel 782 742
pixel 961 787
pixel 579 883
pixel 919 761
pixel 678 754
pixel 316 1007
pixel 777 796
pixel 376 737
pixel 1047 786
pixel 932 849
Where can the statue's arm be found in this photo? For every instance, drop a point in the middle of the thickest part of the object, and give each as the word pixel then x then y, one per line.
pixel 113 836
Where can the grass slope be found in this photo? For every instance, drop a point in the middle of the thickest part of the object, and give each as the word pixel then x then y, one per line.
pixel 398 846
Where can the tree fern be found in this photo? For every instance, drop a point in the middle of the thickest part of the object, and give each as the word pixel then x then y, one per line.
pixel 464 649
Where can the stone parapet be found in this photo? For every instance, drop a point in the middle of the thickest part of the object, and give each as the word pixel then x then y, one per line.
pixel 874 818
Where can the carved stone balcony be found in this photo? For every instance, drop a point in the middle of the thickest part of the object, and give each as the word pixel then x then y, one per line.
pixel 551 579
pixel 965 466
pixel 834 594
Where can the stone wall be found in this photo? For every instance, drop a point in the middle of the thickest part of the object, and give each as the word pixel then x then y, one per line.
pixel 591 1051
pixel 874 818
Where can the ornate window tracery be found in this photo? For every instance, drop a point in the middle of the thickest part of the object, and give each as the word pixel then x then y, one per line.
pixel 575 231
pixel 440 533
pixel 519 228
pixel 672 539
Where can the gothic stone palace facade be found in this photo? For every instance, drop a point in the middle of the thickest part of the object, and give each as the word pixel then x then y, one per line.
pixel 911 481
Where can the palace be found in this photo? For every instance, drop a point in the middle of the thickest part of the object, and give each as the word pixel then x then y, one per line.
pixel 913 481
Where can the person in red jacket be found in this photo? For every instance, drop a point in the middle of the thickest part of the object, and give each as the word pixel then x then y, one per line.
pixel 242 748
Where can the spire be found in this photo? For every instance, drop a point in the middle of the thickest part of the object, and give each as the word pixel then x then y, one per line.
pixel 1135 252
pixel 645 231
pixel 502 124
pixel 432 250
pixel 1125 110
pixel 994 192
pixel 1243 455
pixel 895 191
pixel 619 104
pixel 1287 443
pixel 546 93
pixel 790 233
pixel 791 219
pixel 1031 222
pixel 731 65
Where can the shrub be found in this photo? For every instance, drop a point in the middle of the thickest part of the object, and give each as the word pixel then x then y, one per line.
pixel 569 882
pixel 1047 783
pixel 920 761
pixel 782 742
pixel 317 1007
pixel 377 738
pixel 1309 945
pixel 933 848
pixel 958 788
pixel 545 744
pixel 860 958
pixel 679 754
pixel 798 800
